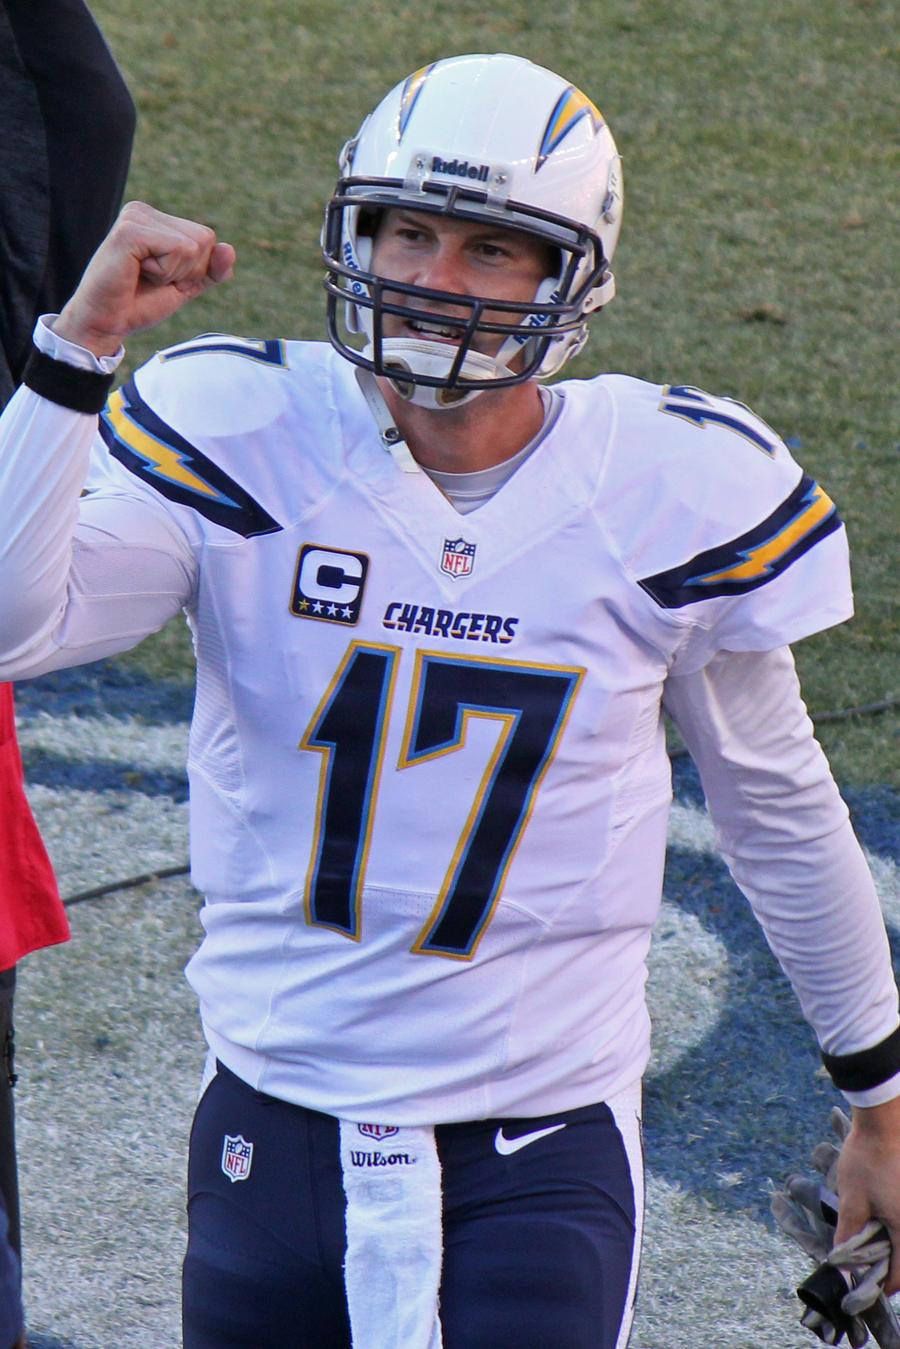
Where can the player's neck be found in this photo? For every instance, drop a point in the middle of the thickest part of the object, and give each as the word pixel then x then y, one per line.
pixel 479 434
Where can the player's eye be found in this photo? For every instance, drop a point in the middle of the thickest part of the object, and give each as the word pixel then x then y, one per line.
pixel 410 234
pixel 493 252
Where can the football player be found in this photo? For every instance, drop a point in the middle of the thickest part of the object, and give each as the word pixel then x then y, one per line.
pixel 438 609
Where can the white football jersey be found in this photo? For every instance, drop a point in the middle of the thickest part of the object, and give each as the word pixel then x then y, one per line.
pixel 429 785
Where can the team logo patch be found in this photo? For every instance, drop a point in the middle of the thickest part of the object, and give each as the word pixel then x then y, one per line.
pixel 237 1157
pixel 458 557
pixel 378 1131
pixel 329 584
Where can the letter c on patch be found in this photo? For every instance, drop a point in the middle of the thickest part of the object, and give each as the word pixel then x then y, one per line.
pixel 330 576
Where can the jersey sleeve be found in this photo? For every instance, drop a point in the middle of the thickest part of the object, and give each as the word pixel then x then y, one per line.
pixel 786 836
pixel 89 564
pixel 176 463
pixel 723 531
pixel 782 579
pixel 238 437
pixel 189 429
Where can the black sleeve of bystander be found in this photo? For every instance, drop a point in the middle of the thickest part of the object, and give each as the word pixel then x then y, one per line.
pixel 63 173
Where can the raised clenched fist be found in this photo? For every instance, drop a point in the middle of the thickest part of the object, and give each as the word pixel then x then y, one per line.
pixel 148 266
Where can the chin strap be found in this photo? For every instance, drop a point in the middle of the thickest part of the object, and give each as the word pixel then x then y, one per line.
pixel 410 355
pixel 390 435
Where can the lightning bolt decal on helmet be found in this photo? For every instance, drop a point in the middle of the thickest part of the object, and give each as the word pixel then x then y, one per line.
pixel 492 139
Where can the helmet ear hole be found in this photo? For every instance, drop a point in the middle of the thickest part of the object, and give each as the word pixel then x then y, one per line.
pixel 368 221
pixel 366 227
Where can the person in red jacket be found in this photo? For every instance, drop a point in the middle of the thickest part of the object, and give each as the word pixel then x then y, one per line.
pixel 61 182
pixel 31 916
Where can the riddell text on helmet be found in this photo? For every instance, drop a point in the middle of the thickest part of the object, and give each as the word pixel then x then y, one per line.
pixel 463 169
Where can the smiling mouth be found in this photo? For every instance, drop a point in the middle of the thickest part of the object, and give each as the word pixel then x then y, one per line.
pixel 436 331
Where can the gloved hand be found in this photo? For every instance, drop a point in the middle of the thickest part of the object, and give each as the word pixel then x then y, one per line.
pixel 844 1295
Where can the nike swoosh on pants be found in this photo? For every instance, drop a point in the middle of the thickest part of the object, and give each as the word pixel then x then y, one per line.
pixel 505 1146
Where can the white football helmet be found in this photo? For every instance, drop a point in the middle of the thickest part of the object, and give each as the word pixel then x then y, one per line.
pixel 483 138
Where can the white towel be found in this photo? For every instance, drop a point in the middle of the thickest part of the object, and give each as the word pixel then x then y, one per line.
pixel 392 1271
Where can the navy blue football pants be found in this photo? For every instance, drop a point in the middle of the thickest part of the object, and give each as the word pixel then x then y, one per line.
pixel 539 1243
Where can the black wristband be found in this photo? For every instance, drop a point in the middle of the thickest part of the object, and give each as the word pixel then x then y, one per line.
pixel 80 390
pixel 866 1068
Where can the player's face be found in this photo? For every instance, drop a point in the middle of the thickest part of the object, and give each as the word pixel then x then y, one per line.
pixel 465 257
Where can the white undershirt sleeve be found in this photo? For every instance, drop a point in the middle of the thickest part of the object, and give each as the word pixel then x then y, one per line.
pixel 80 577
pixel 785 834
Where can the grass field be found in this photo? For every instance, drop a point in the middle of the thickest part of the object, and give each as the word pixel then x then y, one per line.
pixel 754 261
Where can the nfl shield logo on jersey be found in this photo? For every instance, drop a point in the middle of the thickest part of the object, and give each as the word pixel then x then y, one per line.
pixel 378 1131
pixel 237 1155
pixel 458 557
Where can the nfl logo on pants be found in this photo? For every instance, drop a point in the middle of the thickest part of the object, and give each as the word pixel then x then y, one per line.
pixel 237 1155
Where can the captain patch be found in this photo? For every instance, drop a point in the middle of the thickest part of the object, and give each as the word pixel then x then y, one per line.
pixel 329 584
